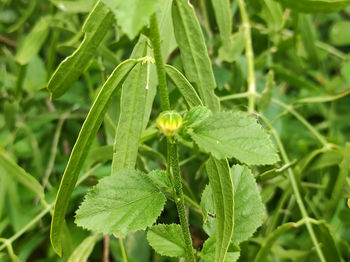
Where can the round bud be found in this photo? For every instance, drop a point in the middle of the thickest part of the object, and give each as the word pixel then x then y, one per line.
pixel 169 123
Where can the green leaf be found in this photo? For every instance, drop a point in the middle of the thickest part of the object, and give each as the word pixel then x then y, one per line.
pixel 340 34
pixel 132 111
pixel 77 6
pixel 230 52
pixel 167 240
pixel 209 250
pixel 221 184
pixel 81 148
pixel 329 246
pixel 125 202
pixel 83 251
pixel 20 175
pixel 340 180
pixel 272 13
pixel 161 179
pixel 194 54
pixel 270 240
pixel 132 15
pixel 223 15
pixel 235 134
pixel 96 26
pixel 186 89
pixel 196 116
pixel 323 98
pixel 308 36
pixel 316 6
pixel 34 41
pixel 249 209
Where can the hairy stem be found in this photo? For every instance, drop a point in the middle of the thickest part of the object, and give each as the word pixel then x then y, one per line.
pixel 179 199
pixel 155 39
pixel 249 56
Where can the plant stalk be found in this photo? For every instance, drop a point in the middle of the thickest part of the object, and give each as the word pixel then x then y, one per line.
pixel 155 39
pixel 249 56
pixel 179 199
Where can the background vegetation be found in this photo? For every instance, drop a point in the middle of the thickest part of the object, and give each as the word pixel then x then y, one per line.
pixel 301 67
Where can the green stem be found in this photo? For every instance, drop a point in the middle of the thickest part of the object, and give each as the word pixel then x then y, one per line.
pixel 179 199
pixel 155 39
pixel 125 259
pixel 249 56
pixel 296 191
pixel 19 82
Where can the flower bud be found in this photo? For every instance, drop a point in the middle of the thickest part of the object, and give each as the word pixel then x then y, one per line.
pixel 169 123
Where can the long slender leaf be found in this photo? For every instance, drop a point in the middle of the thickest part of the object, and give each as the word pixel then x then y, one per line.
pixel 186 89
pixel 96 26
pixel 132 112
pixel 83 251
pixel 221 183
pixel 81 147
pixel 223 15
pixel 34 41
pixel 19 174
pixel 194 53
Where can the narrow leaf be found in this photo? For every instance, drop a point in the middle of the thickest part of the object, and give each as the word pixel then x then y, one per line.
pixel 34 41
pixel 122 203
pixel 132 111
pixel 132 15
pixel 20 175
pixel 324 98
pixel 83 251
pixel 316 6
pixel 167 240
pixel 270 240
pixel 223 16
pixel 235 134
pixel 96 26
pixel 186 89
pixel 194 54
pixel 78 6
pixel 220 180
pixel 81 148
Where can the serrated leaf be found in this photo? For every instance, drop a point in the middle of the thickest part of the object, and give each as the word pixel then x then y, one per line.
pixel 20 175
pixel 194 53
pixel 161 179
pixel 132 15
pixel 270 240
pixel 83 251
pixel 122 203
pixel 235 134
pixel 186 89
pixel 208 251
pixel 249 209
pixel 96 26
pixel 221 184
pixel 316 6
pixel 167 240
pixel 82 146
pixel 34 41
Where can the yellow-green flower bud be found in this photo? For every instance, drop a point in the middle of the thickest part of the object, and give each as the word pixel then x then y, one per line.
pixel 169 123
